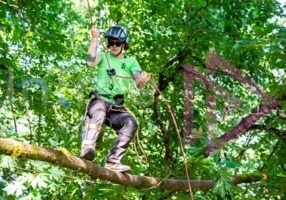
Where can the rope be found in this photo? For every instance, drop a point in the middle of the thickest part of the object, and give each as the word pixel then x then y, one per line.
pixel 90 15
pixel 179 136
pixel 165 101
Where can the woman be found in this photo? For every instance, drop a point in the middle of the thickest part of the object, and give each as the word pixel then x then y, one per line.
pixel 115 71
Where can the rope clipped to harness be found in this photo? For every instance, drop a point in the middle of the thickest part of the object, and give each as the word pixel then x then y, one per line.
pixel 111 72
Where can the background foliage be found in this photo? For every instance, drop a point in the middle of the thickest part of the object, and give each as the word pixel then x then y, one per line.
pixel 44 86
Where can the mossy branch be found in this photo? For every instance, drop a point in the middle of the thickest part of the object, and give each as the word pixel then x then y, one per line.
pixel 63 158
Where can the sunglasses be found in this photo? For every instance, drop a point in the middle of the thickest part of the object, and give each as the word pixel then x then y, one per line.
pixel 118 44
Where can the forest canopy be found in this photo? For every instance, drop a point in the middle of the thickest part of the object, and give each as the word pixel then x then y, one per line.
pixel 211 121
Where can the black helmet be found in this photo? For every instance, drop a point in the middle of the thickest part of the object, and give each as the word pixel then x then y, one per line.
pixel 117 32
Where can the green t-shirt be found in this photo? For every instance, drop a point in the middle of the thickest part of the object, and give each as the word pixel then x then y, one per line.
pixel 123 74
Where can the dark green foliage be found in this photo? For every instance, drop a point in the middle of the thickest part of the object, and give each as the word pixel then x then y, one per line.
pixel 44 87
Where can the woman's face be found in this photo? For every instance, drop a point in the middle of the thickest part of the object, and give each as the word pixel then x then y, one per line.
pixel 115 46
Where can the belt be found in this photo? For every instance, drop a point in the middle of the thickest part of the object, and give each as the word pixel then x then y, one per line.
pixel 119 98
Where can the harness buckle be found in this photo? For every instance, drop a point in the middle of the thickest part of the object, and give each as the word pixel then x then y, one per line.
pixel 93 94
pixel 118 108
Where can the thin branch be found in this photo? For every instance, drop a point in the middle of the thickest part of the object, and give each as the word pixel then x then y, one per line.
pixel 3 67
pixel 39 130
pixel 281 134
pixel 11 5
pixel 248 140
pixel 272 153
pixel 179 58
pixel 29 123
pixel 14 118
pixel 281 114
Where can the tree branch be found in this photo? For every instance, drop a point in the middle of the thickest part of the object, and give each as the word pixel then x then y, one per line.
pixel 64 159
pixel 281 114
pixel 179 58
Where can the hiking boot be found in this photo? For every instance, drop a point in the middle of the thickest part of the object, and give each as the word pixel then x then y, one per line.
pixel 88 152
pixel 117 167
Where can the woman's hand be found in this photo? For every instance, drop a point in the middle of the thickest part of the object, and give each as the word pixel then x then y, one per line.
pixel 94 32
pixel 144 78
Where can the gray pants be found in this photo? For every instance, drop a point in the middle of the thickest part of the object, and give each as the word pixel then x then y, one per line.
pixel 124 123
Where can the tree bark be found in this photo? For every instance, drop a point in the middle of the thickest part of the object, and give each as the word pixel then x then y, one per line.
pixel 63 158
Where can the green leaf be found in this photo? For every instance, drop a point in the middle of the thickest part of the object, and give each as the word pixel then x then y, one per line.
pixel 15 188
pixel 229 164
pixel 55 172
pixel 223 185
pixel 39 165
pixel 40 181
pixel 26 177
pixel 8 162
pixel 228 185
